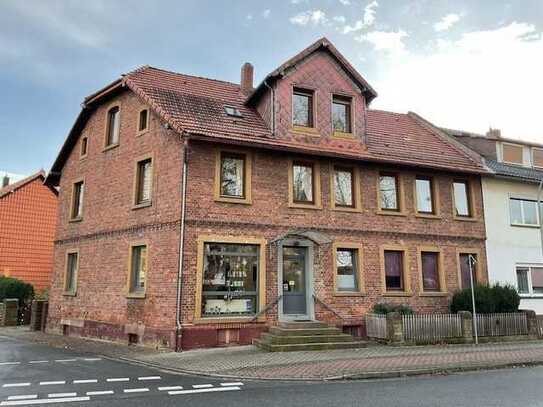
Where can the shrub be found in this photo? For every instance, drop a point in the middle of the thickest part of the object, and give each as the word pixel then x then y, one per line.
pixel 13 288
pixel 488 299
pixel 386 308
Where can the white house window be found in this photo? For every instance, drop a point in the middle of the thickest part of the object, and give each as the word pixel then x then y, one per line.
pixel 523 212
pixel 530 279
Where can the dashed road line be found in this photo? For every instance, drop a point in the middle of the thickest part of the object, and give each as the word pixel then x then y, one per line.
pixel 149 378
pixel 16 385
pixel 53 383
pixel 43 401
pixel 170 388
pixel 86 381
pixel 91 359
pixel 118 379
pixel 100 393
pixel 32 362
pixel 23 397
pixel 201 386
pixel 142 390
pixel 57 395
pixel 9 363
pixel 212 390
pixel 232 384
pixel 65 360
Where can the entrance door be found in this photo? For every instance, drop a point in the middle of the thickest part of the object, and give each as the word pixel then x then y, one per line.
pixel 294 281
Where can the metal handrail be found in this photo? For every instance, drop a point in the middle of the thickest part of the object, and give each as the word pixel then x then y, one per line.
pixel 267 307
pixel 328 307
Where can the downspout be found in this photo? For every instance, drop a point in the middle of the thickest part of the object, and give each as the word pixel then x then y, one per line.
pixel 181 244
pixel 540 212
pixel 273 107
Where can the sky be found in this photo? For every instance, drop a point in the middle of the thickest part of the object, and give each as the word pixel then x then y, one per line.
pixel 461 64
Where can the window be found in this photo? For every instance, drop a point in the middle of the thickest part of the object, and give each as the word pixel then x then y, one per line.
pixel 70 279
pixel 462 203
pixel 466 260
pixel 84 146
pixel 230 279
pixel 388 192
pixel 302 108
pixel 113 126
pixel 144 181
pixel 344 187
pixel 232 111
pixel 341 114
pixel 523 212
pixel 347 269
pixel 430 269
pixel 425 195
pixel 138 269
pixel 77 200
pixel 530 279
pixel 232 182
pixel 302 183
pixel 512 153
pixel 143 121
pixel 394 270
pixel 537 157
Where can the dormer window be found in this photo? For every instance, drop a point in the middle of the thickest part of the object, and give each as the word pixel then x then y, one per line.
pixel 302 107
pixel 232 111
pixel 341 114
pixel 512 153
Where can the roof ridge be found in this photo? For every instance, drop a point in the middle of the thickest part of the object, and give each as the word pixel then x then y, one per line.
pixel 190 76
pixel 21 183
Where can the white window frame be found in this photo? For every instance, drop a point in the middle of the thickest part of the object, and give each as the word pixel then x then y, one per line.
pixel 523 198
pixel 529 266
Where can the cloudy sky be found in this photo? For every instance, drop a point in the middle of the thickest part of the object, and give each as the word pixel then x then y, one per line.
pixel 461 64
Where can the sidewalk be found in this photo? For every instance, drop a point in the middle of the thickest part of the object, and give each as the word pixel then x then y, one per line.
pixel 247 362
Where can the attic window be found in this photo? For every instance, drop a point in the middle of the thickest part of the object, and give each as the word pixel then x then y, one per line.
pixel 232 111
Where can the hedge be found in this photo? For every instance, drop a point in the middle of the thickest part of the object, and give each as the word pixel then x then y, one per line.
pixel 488 299
pixel 13 288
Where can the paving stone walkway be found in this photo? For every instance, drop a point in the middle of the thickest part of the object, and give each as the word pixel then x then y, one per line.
pixel 247 362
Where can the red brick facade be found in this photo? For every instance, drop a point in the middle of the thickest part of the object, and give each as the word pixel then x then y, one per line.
pixel 110 223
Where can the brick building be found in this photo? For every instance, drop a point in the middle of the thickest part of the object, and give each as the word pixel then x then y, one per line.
pixel 28 214
pixel 195 212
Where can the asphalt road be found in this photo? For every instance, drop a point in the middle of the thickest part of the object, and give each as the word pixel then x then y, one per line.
pixel 33 374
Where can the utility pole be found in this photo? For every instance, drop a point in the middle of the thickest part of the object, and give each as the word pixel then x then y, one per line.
pixel 471 262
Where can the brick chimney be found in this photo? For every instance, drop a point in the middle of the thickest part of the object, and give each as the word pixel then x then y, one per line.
pixel 494 133
pixel 246 82
pixel 5 181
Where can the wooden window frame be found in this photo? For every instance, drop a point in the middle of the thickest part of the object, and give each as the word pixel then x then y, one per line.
pixel 201 241
pixel 349 100
pixel 247 177
pixel 135 193
pixel 146 129
pixel 72 200
pixel 480 269
pixel 400 199
pixel 312 93
pixel 106 127
pixel 129 279
pixel 65 291
pixel 434 191
pixel 316 181
pixel 533 149
pixel 356 192
pixel 521 153
pixel 361 289
pixel 84 143
pixel 440 272
pixel 471 203
pixel 406 270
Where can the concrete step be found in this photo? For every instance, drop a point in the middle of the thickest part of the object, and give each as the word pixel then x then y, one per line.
pixel 277 330
pixel 303 325
pixel 308 346
pixel 292 340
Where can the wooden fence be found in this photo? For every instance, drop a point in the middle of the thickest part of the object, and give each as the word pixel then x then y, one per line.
pixel 431 327
pixel 509 324
pixel 376 326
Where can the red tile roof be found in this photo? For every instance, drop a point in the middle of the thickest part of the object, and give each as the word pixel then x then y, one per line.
pixel 19 184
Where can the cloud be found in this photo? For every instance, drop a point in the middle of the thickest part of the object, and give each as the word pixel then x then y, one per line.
pixel 266 13
pixel 249 17
pixel 339 19
pixel 391 42
pixel 316 17
pixel 299 1
pixel 486 77
pixel 368 19
pixel 345 2
pixel 446 22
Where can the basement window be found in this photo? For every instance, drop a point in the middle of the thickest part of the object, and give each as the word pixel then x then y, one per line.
pixel 232 111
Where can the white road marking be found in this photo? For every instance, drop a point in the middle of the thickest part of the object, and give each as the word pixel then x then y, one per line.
pixel 57 395
pixel 25 397
pixel 9 363
pixel 65 360
pixel 91 359
pixel 169 388
pixel 215 389
pixel 118 379
pixel 85 381
pixel 232 384
pixel 201 386
pixel 16 385
pixel 150 378
pixel 42 401
pixel 54 383
pixel 38 361
pixel 142 390
pixel 100 393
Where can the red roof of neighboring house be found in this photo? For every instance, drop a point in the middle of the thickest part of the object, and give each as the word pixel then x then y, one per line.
pixel 194 106
pixel 19 184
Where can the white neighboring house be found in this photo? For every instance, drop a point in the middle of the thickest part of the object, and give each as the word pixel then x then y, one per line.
pixel 514 252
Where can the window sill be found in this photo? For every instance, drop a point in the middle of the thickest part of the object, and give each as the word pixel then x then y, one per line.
pixel 304 206
pixel 82 158
pixel 531 296
pixel 434 294
pixel 242 201
pixel 142 132
pixel 75 220
pixel 525 226
pixel 69 293
pixel 306 131
pixel 110 147
pixel 349 294
pixel 135 296
pixel 391 213
pixel 428 216
pixel 226 320
pixel 397 294
pixel 346 209
pixel 466 218
pixel 343 135
pixel 142 205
